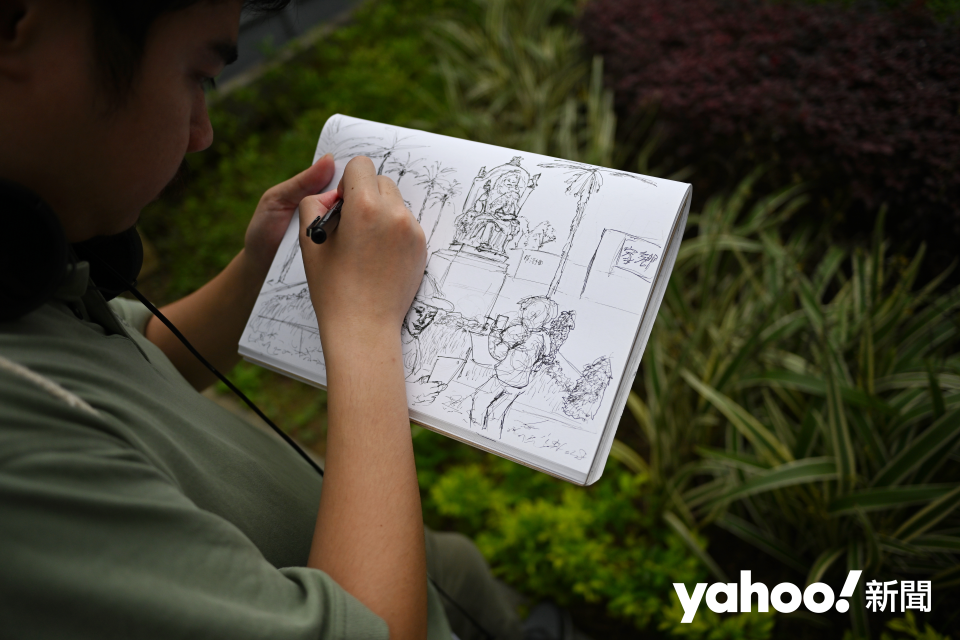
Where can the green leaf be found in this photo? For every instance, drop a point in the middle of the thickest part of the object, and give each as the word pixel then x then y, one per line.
pixel 928 516
pixel 765 442
pixel 746 463
pixel 923 446
pixel 936 395
pixel 816 386
pixel 768 544
pixel 837 426
pixel 947 578
pixel 823 562
pixel 629 458
pixel 785 475
pixel 681 530
pixel 880 498
pixel 938 542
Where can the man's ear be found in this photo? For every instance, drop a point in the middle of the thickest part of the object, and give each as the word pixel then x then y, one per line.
pixel 17 23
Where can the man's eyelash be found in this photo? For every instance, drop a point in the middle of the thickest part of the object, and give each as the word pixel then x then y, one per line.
pixel 208 84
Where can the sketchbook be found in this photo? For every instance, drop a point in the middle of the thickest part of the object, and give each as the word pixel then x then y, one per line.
pixel 542 284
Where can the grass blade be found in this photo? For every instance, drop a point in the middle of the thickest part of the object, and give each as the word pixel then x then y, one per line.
pixel 765 442
pixel 924 446
pixel 822 564
pixel 786 475
pixel 681 530
pixel 754 536
pixel 928 516
pixel 881 498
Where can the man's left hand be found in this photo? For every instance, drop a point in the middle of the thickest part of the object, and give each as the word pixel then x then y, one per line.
pixel 272 217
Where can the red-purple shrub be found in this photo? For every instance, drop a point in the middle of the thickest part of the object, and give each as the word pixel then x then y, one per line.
pixel 869 101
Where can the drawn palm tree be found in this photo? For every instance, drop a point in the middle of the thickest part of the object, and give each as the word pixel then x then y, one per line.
pixel 450 191
pixel 432 179
pixel 584 181
pixel 402 167
pixel 331 141
pixel 387 149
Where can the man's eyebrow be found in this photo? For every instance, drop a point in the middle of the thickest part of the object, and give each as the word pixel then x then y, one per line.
pixel 226 49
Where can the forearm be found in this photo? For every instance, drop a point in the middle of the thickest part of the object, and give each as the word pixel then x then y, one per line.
pixel 212 318
pixel 369 532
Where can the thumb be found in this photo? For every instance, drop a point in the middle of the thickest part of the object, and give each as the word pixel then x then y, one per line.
pixel 306 183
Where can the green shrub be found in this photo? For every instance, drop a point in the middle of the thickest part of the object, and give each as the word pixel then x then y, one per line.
pixel 818 389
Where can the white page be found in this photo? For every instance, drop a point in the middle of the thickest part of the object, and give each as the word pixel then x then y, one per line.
pixel 538 272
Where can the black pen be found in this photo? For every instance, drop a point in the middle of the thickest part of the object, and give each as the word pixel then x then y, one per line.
pixel 323 226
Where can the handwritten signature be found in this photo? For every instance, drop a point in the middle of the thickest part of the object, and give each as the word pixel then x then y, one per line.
pixel 548 442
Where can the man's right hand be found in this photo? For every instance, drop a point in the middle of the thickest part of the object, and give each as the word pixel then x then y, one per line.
pixel 364 277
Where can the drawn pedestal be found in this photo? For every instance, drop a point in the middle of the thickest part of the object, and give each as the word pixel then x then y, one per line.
pixel 470 279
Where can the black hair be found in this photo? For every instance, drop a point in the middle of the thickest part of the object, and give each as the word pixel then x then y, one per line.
pixel 120 30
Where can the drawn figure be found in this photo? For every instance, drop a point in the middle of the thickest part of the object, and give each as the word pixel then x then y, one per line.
pixel 427 304
pixel 584 399
pixel 520 349
pixel 490 217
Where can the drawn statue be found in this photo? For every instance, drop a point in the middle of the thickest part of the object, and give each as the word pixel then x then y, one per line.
pixel 491 212
pixel 520 348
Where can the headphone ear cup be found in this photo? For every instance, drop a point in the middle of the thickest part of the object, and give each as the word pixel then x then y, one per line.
pixel 115 261
pixel 33 251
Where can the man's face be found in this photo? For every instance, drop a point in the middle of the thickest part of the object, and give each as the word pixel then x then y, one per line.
pixel 98 167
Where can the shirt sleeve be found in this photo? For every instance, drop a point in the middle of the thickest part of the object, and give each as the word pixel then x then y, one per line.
pixel 132 312
pixel 98 543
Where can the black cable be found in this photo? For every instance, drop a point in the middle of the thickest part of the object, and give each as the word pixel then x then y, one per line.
pixel 173 329
pixel 149 305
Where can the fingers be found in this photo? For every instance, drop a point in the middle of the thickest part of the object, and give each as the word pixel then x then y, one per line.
pixel 359 177
pixel 306 183
pixel 311 207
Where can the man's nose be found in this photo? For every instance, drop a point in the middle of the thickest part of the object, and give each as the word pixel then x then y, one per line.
pixel 201 131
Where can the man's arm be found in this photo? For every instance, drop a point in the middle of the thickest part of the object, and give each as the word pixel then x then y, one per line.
pixel 369 533
pixel 213 317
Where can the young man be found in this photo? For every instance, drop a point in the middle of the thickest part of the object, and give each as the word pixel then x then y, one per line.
pixel 130 506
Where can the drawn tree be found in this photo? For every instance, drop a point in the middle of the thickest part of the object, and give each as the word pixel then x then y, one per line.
pixel 401 167
pixel 584 181
pixel 385 150
pixel 432 178
pixel 332 142
pixel 450 191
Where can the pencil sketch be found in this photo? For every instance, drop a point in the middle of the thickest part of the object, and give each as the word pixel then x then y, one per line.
pixel 432 178
pixel 451 190
pixel 584 180
pixel 619 258
pixel 286 324
pixel 494 342
pixel 335 139
pixel 489 365
pixel 402 167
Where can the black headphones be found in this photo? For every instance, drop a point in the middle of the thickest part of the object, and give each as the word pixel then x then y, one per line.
pixel 35 255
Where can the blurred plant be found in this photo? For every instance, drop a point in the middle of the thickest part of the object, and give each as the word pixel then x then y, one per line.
pixel 907 627
pixel 861 104
pixel 835 395
pixel 519 78
pixel 602 544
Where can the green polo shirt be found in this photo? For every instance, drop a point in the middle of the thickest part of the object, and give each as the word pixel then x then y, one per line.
pixel 162 515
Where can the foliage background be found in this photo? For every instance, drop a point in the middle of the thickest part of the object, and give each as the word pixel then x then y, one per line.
pixel 785 379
